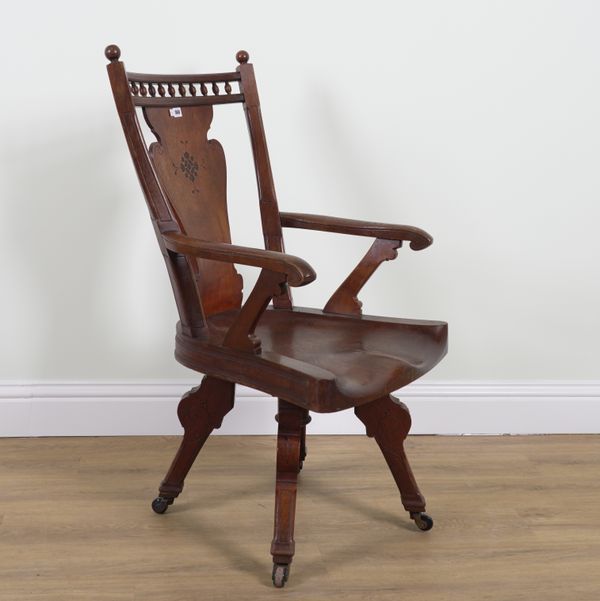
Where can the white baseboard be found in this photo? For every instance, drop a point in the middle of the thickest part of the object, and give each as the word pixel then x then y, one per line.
pixel 144 408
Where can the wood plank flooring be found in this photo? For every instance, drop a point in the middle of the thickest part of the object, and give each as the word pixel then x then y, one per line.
pixel 515 518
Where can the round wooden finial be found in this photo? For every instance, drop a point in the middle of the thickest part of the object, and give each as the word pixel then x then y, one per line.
pixel 242 57
pixel 112 52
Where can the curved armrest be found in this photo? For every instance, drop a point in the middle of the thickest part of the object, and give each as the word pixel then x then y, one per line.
pixel 418 238
pixel 297 270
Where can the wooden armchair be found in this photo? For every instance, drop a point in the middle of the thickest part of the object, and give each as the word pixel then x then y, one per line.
pixel 312 360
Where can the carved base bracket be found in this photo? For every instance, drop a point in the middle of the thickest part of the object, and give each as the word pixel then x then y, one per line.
pixel 388 421
pixel 200 411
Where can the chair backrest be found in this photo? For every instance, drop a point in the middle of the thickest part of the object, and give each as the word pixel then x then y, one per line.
pixel 183 175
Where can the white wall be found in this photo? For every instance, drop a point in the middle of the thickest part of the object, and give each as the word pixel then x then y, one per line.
pixel 477 121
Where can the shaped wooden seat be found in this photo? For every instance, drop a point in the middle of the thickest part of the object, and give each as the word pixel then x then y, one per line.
pixel 358 358
pixel 312 360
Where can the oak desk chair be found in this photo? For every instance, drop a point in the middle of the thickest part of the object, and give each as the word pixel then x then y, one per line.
pixel 312 360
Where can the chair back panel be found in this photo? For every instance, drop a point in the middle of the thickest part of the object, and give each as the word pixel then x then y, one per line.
pixel 187 192
pixel 192 172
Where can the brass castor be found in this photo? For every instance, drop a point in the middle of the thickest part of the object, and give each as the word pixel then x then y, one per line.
pixel 160 504
pixel 422 520
pixel 281 572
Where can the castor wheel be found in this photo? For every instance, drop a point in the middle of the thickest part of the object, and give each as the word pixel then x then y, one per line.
pixel 281 572
pixel 160 504
pixel 422 520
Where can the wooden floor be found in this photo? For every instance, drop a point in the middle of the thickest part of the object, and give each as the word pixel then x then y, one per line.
pixel 515 518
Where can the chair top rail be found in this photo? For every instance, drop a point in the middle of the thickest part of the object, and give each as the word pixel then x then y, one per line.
pixel 183 78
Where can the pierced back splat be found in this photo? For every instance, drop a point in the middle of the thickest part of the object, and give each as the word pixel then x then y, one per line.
pixel 193 174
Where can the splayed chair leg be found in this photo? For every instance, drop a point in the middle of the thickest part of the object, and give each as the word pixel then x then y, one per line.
pixel 292 421
pixel 200 411
pixel 388 421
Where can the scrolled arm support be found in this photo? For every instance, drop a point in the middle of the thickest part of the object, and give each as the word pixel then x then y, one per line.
pixel 277 269
pixel 241 332
pixel 345 298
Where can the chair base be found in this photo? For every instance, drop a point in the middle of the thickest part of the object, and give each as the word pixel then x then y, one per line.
pixel 202 409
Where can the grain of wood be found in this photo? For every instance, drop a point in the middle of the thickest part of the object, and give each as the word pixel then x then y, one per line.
pixel 515 518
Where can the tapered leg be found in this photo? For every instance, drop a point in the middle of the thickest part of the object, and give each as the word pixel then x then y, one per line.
pixel 200 411
pixel 292 420
pixel 388 421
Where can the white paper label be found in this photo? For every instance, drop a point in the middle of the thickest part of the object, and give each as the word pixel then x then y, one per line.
pixel 175 112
